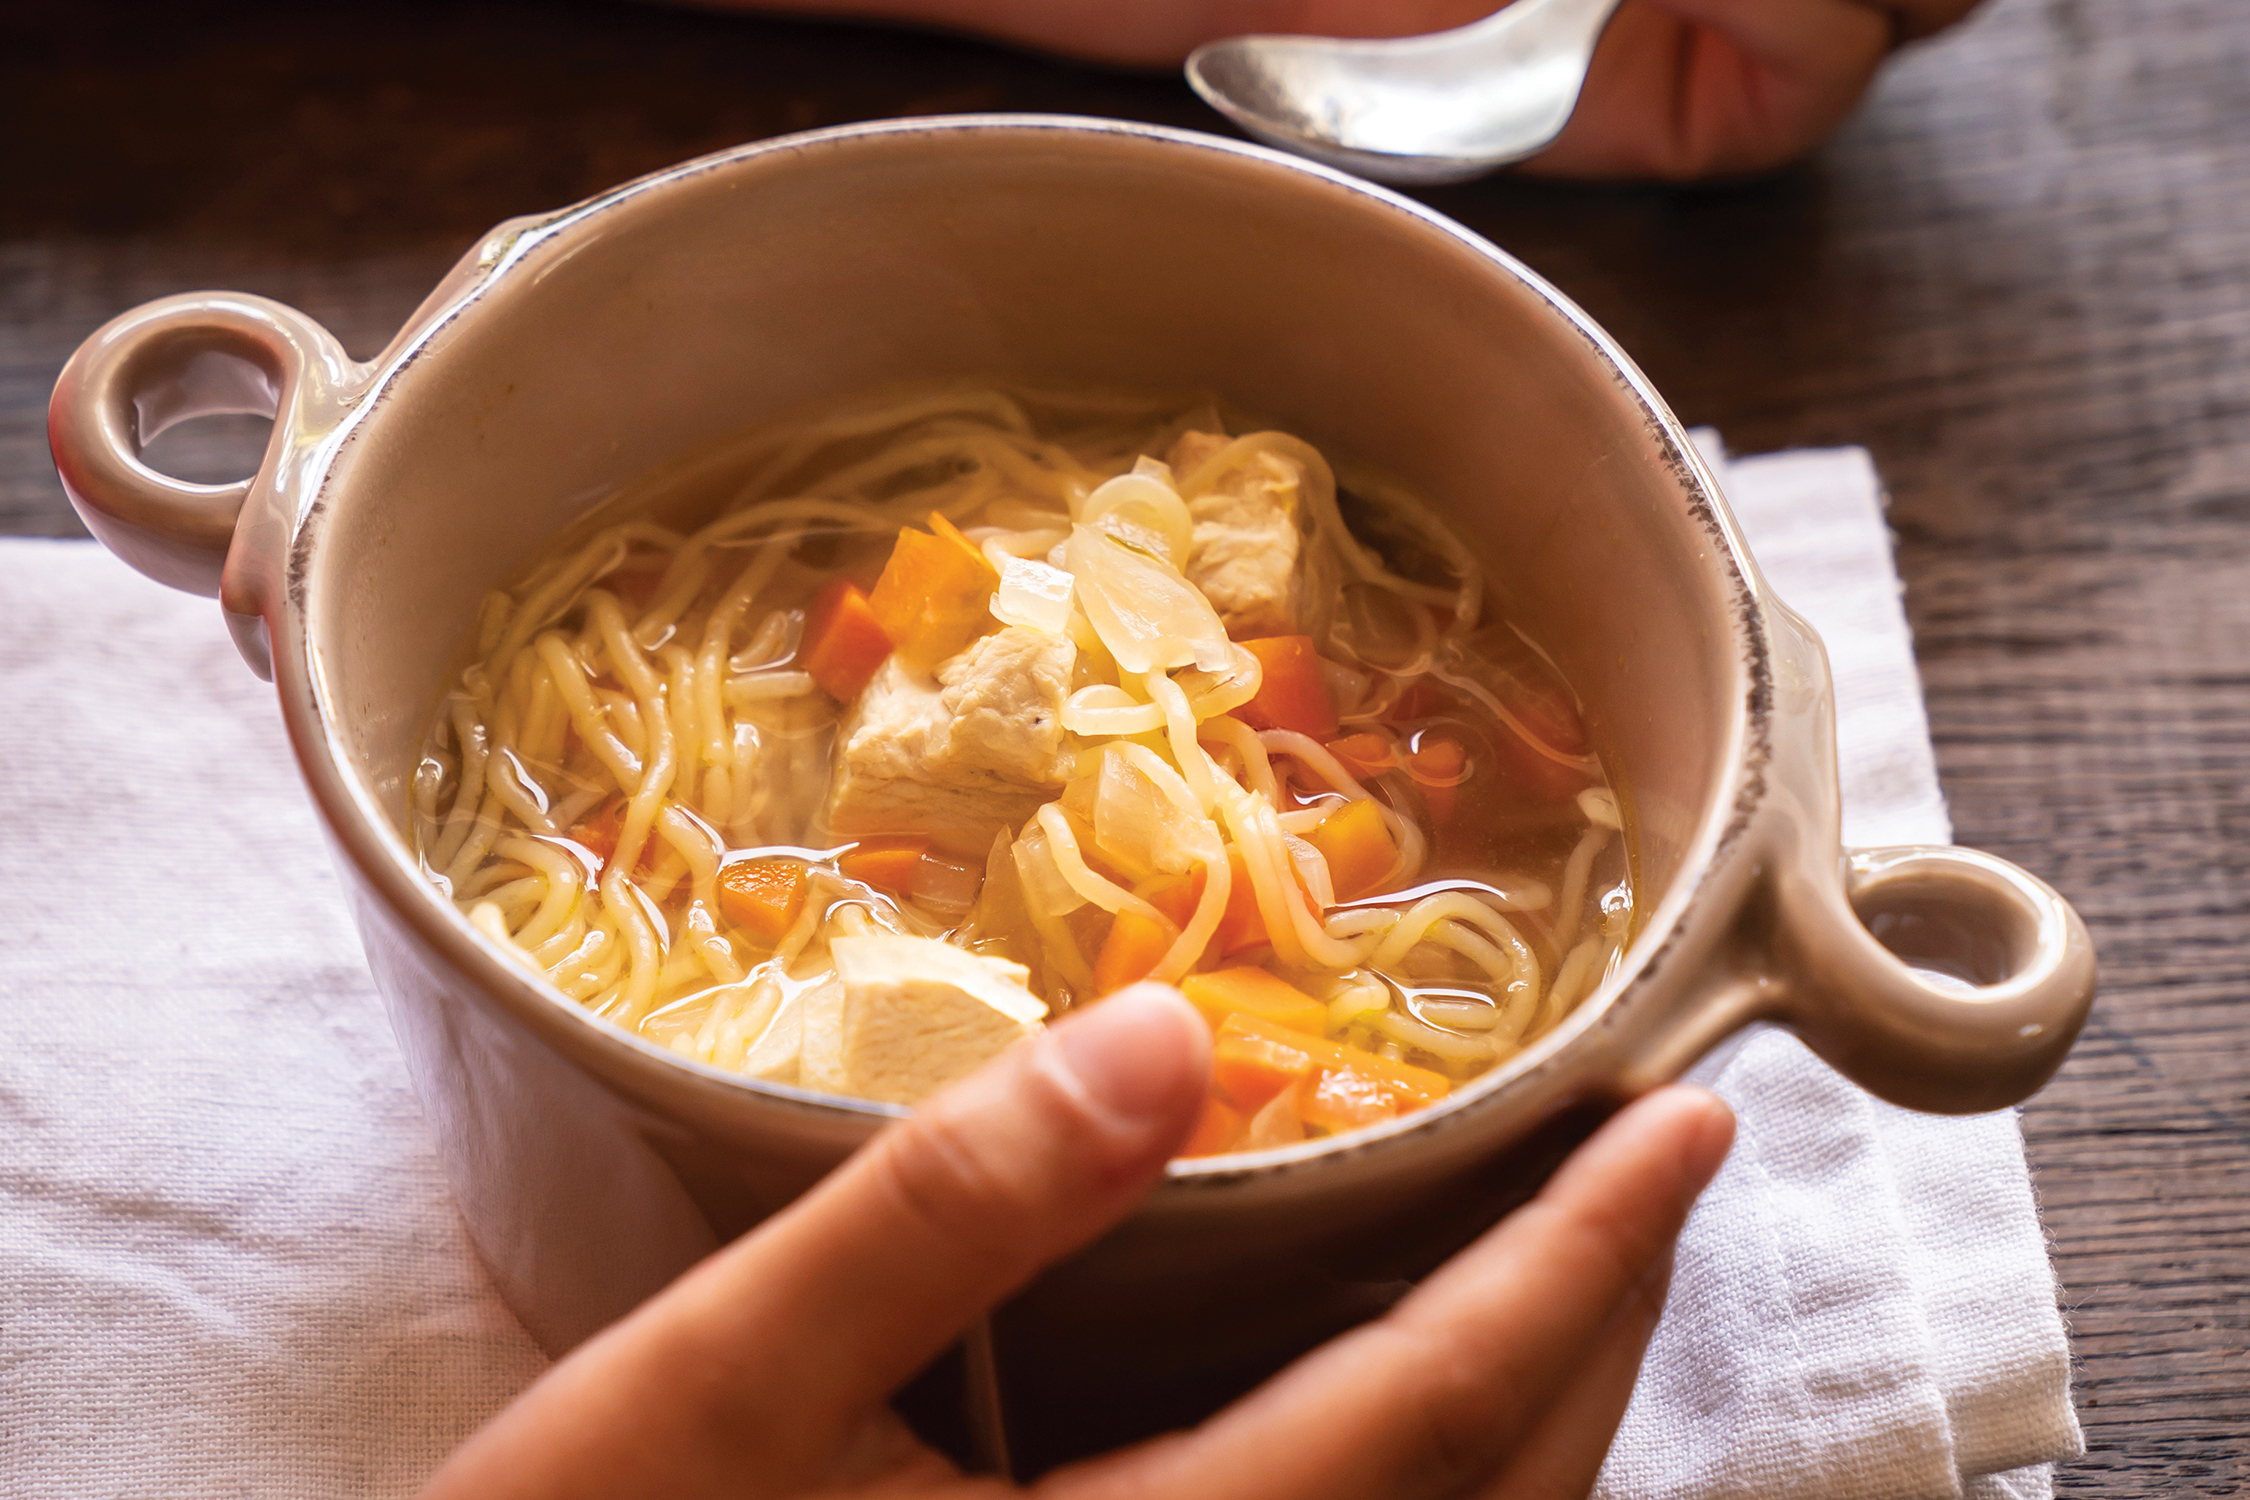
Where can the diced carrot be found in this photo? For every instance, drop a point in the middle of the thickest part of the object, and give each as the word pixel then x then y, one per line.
pixel 1356 842
pixel 843 643
pixel 932 596
pixel 1254 992
pixel 1177 896
pixel 1421 698
pixel 599 829
pixel 1250 1067
pixel 1543 707
pixel 945 530
pixel 1364 754
pixel 887 862
pixel 1345 1099
pixel 946 886
pixel 1412 1087
pixel 764 896
pixel 1439 765
pixel 1241 925
pixel 1135 945
pixel 1218 1129
pixel 1292 691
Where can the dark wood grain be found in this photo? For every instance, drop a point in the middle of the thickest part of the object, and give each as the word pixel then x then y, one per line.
pixel 2021 277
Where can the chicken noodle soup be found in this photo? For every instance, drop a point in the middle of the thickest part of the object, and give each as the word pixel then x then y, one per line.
pixel 940 715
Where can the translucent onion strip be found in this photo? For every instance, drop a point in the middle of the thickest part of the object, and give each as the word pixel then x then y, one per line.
pixel 1034 595
pixel 1147 615
pixel 1062 843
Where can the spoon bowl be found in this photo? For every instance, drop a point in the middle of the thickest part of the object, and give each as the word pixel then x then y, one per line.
pixel 1444 107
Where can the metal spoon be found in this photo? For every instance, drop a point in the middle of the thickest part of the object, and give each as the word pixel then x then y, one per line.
pixel 1438 108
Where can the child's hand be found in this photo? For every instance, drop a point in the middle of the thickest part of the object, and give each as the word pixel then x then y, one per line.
pixel 765 1370
pixel 1682 89
pixel 1679 88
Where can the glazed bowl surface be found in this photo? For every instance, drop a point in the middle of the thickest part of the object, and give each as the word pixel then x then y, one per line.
pixel 570 354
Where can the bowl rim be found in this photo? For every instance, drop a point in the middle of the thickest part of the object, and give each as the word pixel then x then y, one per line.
pixel 362 829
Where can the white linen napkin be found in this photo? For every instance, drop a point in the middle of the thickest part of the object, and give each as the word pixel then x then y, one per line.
pixel 229 1265
pixel 1862 1306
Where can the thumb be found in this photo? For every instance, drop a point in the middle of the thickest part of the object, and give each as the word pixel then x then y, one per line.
pixel 941 1217
pixel 771 1354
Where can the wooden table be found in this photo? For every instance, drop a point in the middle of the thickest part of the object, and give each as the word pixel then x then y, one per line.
pixel 2021 277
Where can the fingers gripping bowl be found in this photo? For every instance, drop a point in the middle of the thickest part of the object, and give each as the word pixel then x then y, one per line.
pixel 569 356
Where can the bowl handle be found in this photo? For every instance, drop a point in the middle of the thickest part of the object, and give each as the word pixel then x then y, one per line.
pixel 1939 978
pixel 193 355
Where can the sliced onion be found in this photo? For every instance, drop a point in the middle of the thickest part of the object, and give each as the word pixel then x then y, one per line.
pixel 1214 693
pixel 1146 819
pixel 1045 890
pixel 1139 824
pixel 946 887
pixel 1033 594
pixel 1125 817
pixel 1149 617
pixel 1142 508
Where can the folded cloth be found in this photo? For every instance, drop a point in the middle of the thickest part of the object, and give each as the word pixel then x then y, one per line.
pixel 229 1264
pixel 1861 1305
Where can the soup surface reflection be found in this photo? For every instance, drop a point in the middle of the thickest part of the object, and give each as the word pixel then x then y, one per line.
pixel 849 752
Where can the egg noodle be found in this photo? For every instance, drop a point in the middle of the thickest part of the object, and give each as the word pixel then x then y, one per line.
pixel 654 680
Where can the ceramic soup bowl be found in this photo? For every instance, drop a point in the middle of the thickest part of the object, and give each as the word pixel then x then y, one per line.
pixel 569 354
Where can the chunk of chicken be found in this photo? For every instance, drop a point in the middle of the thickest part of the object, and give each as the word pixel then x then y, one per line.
pixel 905 1016
pixel 960 757
pixel 1246 542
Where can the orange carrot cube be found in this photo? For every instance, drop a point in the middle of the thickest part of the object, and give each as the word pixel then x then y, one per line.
pixel 1410 1086
pixel 1345 1099
pixel 1357 844
pixel 1136 944
pixel 1439 765
pixel 1241 926
pixel 1364 754
pixel 934 593
pixel 843 642
pixel 1254 992
pixel 1250 1067
pixel 887 862
pixel 1219 1128
pixel 1292 690
pixel 763 896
